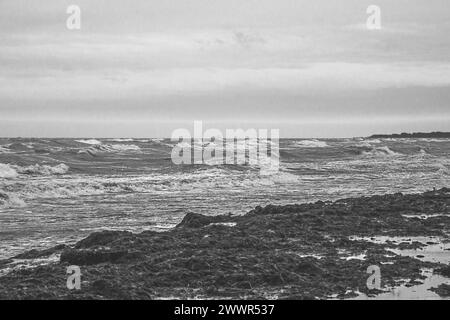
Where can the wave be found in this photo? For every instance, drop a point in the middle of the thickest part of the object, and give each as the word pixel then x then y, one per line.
pixel 314 143
pixel 122 140
pixel 205 178
pixel 10 200
pixel 46 170
pixel 370 151
pixel 443 168
pixel 19 146
pixel 12 171
pixel 381 151
pixel 4 149
pixel 433 139
pixel 6 171
pixel 373 140
pixel 423 152
pixel 89 141
pixel 364 144
pixel 124 147
pixel 369 143
pixel 106 148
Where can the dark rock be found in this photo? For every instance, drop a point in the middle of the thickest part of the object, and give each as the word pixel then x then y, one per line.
pixel 269 250
pixel 308 267
pixel 102 238
pixel 443 290
pixel 195 220
pixel 445 271
pixel 91 257
pixel 34 254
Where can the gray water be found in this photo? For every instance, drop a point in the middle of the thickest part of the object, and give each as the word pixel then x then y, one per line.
pixel 60 190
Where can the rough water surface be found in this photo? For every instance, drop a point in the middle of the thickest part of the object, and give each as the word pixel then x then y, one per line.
pixel 58 191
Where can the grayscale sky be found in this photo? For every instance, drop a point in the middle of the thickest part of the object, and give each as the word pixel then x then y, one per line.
pixel 142 68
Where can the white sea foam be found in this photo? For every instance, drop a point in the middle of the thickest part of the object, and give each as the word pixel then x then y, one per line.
pixel 12 171
pixel 43 169
pixel 202 179
pixel 124 147
pixel 89 141
pixel 365 144
pixel 443 169
pixel 122 140
pixel 433 140
pixel 109 148
pixel 8 200
pixel 381 152
pixel 314 143
pixel 6 171
pixel 4 149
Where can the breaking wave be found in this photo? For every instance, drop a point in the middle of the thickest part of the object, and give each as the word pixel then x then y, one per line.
pixel 4 149
pixel 6 171
pixel 11 171
pixel 122 140
pixel 45 170
pixel 106 148
pixel 89 141
pixel 10 201
pixel 314 143
pixel 201 179
pixel 381 151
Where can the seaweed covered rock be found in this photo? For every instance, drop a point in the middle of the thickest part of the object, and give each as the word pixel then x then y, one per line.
pixel 299 251
pixel 91 257
pixel 445 271
pixel 34 254
pixel 102 238
pixel 443 290
pixel 195 220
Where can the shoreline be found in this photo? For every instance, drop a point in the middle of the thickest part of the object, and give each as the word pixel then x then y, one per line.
pixel 315 250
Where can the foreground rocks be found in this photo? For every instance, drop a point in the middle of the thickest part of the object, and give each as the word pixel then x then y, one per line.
pixel 289 252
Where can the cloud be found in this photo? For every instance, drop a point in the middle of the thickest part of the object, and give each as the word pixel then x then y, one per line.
pixel 214 56
pixel 311 79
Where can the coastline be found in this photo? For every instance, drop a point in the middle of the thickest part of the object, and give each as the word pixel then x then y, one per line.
pixel 414 135
pixel 305 251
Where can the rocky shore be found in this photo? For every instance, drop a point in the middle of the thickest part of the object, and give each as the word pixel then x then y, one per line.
pixel 303 251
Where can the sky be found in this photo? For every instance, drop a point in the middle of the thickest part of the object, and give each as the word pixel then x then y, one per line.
pixel 143 68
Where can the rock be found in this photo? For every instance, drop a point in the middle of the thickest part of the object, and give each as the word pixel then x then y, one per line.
pixel 34 254
pixel 195 220
pixel 296 250
pixel 308 267
pixel 91 257
pixel 445 271
pixel 443 290
pixel 101 239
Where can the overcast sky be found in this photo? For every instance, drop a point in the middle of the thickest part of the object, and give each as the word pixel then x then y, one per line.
pixel 142 68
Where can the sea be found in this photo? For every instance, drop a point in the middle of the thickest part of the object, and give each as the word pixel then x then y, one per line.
pixel 58 191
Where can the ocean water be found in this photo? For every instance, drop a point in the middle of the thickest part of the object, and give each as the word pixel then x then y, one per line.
pixel 60 190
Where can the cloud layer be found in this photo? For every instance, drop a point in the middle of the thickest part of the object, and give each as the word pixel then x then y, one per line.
pixel 252 60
